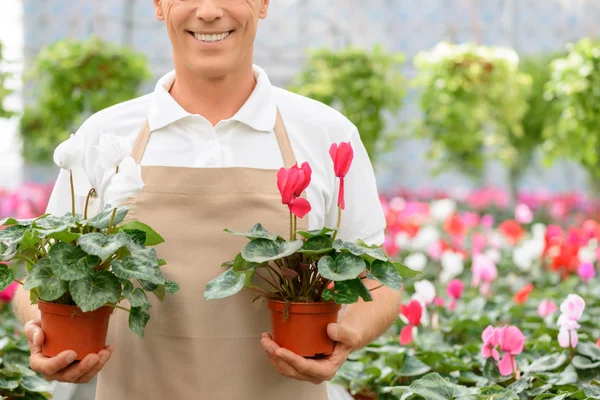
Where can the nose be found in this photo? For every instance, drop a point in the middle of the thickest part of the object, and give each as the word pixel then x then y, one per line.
pixel 209 10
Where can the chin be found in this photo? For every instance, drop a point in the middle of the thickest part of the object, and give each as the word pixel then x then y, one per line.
pixel 212 68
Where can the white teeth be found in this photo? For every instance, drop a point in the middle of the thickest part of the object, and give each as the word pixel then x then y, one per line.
pixel 211 38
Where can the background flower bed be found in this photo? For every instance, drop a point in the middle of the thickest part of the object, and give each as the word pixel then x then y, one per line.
pixel 535 253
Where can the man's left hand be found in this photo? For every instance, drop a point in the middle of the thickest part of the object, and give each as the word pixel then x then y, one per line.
pixel 294 366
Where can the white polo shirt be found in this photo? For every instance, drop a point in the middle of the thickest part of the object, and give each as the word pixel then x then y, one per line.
pixel 245 140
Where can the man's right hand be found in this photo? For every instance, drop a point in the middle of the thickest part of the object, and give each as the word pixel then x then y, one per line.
pixel 62 367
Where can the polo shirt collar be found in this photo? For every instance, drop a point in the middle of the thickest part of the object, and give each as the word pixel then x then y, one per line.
pixel 259 111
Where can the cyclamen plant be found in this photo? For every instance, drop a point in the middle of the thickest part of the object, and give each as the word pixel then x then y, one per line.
pixel 313 266
pixel 84 260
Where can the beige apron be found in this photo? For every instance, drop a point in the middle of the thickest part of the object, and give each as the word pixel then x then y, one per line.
pixel 193 349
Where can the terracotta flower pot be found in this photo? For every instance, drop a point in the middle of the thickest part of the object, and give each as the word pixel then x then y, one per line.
pixel 304 332
pixel 68 328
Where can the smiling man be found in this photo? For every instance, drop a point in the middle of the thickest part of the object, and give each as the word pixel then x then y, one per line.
pixel 210 139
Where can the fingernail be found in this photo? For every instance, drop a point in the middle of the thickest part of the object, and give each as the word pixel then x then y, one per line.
pixel 71 357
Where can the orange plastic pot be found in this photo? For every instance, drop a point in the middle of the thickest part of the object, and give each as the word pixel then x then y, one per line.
pixel 68 328
pixel 304 332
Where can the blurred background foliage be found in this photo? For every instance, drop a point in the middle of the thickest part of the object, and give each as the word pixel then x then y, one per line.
pixel 71 80
pixel 4 91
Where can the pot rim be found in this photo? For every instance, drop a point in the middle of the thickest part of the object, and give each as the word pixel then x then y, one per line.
pixel 71 310
pixel 322 307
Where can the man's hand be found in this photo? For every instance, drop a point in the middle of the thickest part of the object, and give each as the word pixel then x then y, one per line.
pixel 62 367
pixel 294 366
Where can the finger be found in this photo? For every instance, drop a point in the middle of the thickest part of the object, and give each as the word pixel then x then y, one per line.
pixel 33 331
pixel 77 370
pixel 323 371
pixel 49 366
pixel 344 334
pixel 291 372
pixel 104 356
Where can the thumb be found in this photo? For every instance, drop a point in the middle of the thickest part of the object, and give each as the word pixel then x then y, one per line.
pixel 34 333
pixel 344 334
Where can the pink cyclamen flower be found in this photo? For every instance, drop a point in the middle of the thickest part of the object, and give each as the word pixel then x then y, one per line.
pixel 573 307
pixel 7 294
pixel 586 271
pixel 568 338
pixel 413 313
pixel 523 214
pixel 546 308
pixel 487 221
pixel 455 290
pixel 478 242
pixel 484 273
pixel 511 341
pixel 490 341
pixel 438 301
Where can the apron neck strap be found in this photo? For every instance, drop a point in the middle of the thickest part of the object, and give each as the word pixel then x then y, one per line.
pixel 283 140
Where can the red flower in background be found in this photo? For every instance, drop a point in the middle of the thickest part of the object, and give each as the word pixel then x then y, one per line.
pixel 413 312
pixel 512 231
pixel 455 226
pixel 342 156
pixel 522 295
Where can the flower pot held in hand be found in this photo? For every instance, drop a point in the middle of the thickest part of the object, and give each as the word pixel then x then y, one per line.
pixel 304 332
pixel 66 327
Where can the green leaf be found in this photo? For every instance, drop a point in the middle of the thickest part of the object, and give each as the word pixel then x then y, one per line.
pixel 103 246
pixel 547 363
pixel 136 236
pixel 347 292
pixel 36 384
pixel 13 221
pixel 8 252
pixel 520 385
pixel 589 350
pixel 359 248
pixel 152 237
pixel 324 232
pixel 12 235
pixel 497 393
pixel 49 286
pixel 71 263
pixel 591 391
pixel 406 272
pixel 52 224
pixel 160 292
pixel 345 267
pixel 226 284
pixel 317 245
pixel 434 387
pixel 239 264
pixel 171 287
pixel 135 296
pixel 256 232
pixel 8 384
pixel 386 273
pixel 7 276
pixel 264 250
pixel 64 236
pixel 412 366
pixel 138 268
pixel 138 319
pixel 581 362
pixel 95 291
pixel 102 219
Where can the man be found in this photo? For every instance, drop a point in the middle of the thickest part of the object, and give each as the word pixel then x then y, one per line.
pixel 217 140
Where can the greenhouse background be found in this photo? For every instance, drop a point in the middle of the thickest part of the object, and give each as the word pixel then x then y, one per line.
pixel 492 196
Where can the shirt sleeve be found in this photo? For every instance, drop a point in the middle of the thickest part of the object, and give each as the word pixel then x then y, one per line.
pixel 363 216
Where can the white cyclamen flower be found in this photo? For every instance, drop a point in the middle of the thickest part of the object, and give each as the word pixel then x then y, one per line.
pixel 424 292
pixel 69 154
pixel 452 266
pixel 112 150
pixel 126 184
pixel 426 237
pixel 442 209
pixel 416 261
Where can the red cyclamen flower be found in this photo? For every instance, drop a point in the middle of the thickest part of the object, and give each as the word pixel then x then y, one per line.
pixel 291 183
pixel 413 312
pixel 342 156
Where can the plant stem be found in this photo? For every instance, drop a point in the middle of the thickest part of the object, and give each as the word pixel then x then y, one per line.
pixel 19 282
pixel 291 226
pixel 112 218
pixel 295 226
pixel 339 220
pixel 571 347
pixel 27 260
pixel 264 293
pixel 87 201
pixel 375 288
pixel 266 280
pixel 72 193
pixel 119 307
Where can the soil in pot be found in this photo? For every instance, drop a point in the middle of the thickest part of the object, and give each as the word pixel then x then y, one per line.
pixel 66 327
pixel 304 331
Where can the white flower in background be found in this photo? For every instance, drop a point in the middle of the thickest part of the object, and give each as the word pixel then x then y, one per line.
pixel 416 261
pixel 424 292
pixel 402 239
pixel 523 214
pixel 586 255
pixel 69 156
pixel 124 185
pixel 493 255
pixel 528 252
pixel 425 238
pixel 538 230
pixel 442 209
pixel 496 240
pixel 112 150
pixel 452 266
pixel 397 204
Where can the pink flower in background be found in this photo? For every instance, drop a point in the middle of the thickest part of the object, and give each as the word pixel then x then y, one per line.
pixel 511 341
pixel 478 242
pixel 523 214
pixel 487 221
pixel 412 312
pixel 586 271
pixel 438 301
pixel 573 307
pixel 490 342
pixel 546 308
pixel 7 294
pixel 455 290
pixel 484 273
pixel 568 322
pixel 470 219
